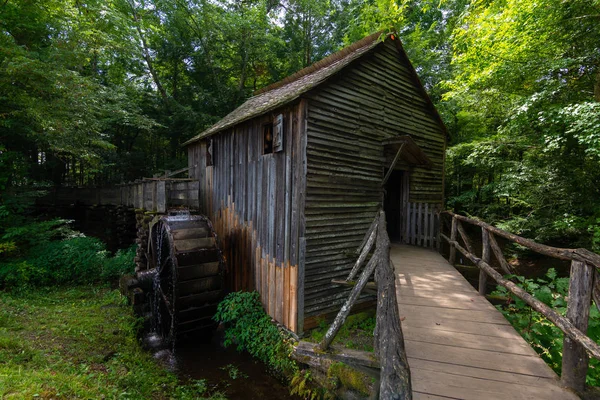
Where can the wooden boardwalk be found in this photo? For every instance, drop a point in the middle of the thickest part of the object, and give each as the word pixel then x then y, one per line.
pixel 458 345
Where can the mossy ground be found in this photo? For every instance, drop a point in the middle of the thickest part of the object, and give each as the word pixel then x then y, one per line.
pixel 356 333
pixel 79 342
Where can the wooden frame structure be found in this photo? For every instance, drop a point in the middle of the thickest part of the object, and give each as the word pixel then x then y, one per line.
pixel 584 284
pixel 390 355
pixel 289 220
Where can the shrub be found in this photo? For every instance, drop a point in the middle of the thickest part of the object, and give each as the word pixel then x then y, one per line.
pixel 542 334
pixel 74 260
pixel 251 329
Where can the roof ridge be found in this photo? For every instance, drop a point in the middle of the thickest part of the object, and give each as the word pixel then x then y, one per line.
pixel 325 62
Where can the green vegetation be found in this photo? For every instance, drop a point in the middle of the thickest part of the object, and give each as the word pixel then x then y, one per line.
pixel 251 330
pixel 542 334
pixel 356 333
pixel 49 253
pixel 234 372
pixel 341 374
pixel 98 92
pixel 79 342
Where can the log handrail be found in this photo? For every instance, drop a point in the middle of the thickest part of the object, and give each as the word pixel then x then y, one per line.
pixel 584 284
pixel 390 353
pixel 580 254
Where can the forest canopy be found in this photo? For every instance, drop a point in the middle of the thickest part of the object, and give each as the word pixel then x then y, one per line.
pixel 104 91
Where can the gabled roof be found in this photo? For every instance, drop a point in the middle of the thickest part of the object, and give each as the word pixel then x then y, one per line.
pixel 292 87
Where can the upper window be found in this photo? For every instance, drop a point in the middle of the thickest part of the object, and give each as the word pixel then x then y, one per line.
pixel 267 139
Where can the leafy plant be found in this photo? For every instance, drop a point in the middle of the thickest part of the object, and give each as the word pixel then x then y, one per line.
pixel 251 330
pixel 303 385
pixel 234 372
pixel 542 334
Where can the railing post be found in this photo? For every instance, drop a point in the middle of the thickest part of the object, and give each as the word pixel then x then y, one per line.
pixel 485 256
pixel 575 359
pixel 453 232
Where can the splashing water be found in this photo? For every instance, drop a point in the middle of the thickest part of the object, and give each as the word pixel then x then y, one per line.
pixel 179 215
pixel 157 320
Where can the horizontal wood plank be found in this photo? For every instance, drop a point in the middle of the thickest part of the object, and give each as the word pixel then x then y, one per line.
pixel 459 346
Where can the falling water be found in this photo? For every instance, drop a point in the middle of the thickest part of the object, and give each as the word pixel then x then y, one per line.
pixel 157 320
pixel 179 215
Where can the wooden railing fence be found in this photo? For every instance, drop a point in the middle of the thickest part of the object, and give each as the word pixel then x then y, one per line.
pixel 151 194
pixel 584 284
pixel 390 354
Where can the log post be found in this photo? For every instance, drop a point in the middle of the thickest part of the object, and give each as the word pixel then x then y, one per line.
pixel 575 359
pixel 453 231
pixel 394 374
pixel 485 256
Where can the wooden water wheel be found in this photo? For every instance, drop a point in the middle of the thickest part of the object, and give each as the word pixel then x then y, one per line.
pixel 187 275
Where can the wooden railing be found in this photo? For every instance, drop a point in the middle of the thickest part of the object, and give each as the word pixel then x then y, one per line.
pixel 151 194
pixel 583 286
pixel 390 364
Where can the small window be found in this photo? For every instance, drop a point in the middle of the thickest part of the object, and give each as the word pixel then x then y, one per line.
pixel 268 139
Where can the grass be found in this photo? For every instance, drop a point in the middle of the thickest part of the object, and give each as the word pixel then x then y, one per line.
pixel 356 333
pixel 79 342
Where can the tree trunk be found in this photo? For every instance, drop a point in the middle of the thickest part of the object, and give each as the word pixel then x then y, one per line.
pixel 146 53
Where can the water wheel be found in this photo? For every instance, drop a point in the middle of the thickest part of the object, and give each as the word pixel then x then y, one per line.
pixel 186 266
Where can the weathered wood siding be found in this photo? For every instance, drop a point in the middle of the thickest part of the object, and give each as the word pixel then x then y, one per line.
pixel 348 118
pixel 255 202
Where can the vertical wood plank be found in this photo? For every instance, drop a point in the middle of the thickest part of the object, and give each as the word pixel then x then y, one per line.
pixel 420 224
pixel 575 359
pixel 407 224
pixel 485 256
pixel 426 233
pixel 286 294
pixel 272 287
pixel 413 227
pixel 279 293
pixel 293 298
pixel 161 197
pixel 433 236
pixel 300 285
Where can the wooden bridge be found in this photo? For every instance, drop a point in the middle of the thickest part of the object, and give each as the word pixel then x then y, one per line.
pixel 458 345
pixel 444 340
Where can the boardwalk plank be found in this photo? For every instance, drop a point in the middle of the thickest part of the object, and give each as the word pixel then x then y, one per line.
pixel 459 345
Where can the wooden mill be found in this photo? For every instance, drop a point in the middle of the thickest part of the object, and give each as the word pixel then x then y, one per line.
pixel 292 178
pixel 299 185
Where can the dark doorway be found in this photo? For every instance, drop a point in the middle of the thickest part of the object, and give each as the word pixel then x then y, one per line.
pixel 392 205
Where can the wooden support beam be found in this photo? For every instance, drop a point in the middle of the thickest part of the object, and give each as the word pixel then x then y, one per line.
pixel 304 352
pixel 365 252
pixel 464 237
pixel 485 256
pixel 498 253
pixel 575 359
pixel 392 165
pixel 370 287
pixel 561 322
pixel 345 310
pixel 453 231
